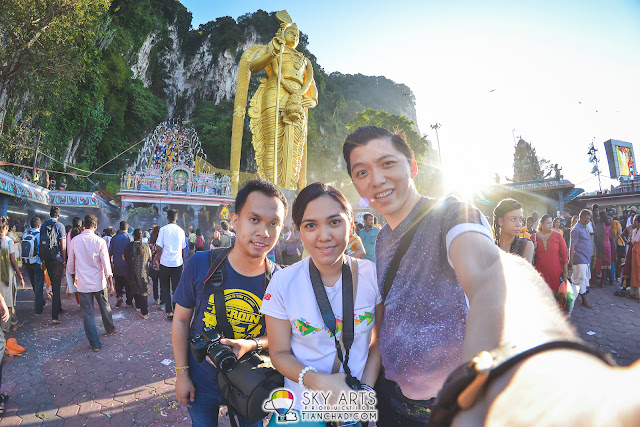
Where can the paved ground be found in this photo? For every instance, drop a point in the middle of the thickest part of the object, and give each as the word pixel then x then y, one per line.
pixel 613 324
pixel 60 381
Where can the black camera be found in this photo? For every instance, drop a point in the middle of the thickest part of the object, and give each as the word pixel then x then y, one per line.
pixel 353 383
pixel 207 343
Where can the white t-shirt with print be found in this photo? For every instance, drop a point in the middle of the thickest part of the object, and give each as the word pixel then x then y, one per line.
pixel 290 296
pixel 172 240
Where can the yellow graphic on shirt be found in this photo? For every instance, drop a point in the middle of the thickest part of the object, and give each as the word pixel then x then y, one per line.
pixel 243 312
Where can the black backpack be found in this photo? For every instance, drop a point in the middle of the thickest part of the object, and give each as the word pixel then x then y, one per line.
pixel 29 252
pixel 49 247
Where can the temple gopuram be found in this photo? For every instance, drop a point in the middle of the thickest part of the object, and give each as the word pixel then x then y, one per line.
pixel 171 172
pixel 536 191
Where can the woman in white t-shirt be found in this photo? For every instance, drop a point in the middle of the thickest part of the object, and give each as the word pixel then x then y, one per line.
pixel 300 345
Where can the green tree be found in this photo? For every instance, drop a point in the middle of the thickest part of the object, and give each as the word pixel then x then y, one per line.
pixel 428 181
pixel 213 123
pixel 371 117
pixel 43 44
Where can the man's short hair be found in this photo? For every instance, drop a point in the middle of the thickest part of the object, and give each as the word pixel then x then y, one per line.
pixel 594 206
pixel 54 212
pixel 172 214
pixel 124 225
pixel 367 215
pixel 137 234
pixel 567 210
pixel 365 134
pixel 90 221
pixel 265 187
pixel 224 225
pixel 36 222
pixel 530 219
pixel 585 212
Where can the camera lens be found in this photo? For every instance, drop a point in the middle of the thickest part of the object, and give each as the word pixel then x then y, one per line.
pixel 227 363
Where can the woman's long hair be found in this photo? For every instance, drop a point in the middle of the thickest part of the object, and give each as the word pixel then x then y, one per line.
pixel 505 206
pixel 154 234
pixel 76 227
pixel 604 217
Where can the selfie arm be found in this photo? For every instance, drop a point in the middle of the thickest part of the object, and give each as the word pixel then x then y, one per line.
pixel 498 285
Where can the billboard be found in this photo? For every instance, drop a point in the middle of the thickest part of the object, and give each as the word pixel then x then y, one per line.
pixel 622 161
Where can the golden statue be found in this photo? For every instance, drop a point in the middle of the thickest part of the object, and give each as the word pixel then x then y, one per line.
pixel 278 111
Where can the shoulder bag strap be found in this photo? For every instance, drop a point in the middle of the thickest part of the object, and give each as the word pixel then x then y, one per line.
pixel 354 273
pixel 216 258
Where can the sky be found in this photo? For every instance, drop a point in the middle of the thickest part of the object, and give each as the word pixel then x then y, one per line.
pixel 560 74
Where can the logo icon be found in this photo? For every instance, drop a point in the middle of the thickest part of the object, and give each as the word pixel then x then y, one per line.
pixel 281 402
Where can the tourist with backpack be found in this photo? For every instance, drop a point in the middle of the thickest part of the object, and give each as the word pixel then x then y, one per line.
pixel 227 238
pixel 53 250
pixel 199 243
pixel 32 263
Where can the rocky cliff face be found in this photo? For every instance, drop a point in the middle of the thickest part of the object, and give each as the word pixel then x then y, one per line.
pixel 187 79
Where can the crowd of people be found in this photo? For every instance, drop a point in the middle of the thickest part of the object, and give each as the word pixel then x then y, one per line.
pixel 410 311
pixel 172 145
pixel 596 245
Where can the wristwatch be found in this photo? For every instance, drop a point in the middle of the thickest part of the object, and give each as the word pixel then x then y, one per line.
pixel 464 385
pixel 258 344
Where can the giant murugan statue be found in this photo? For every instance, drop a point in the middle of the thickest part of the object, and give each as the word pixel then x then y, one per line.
pixel 278 111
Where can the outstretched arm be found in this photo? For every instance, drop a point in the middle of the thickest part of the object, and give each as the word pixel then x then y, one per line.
pixel 497 284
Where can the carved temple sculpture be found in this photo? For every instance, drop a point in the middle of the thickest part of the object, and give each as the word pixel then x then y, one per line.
pixel 278 111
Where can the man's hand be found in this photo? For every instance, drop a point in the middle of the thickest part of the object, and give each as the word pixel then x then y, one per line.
pixel 239 347
pixel 22 282
pixel 185 390
pixel 5 311
pixel 112 290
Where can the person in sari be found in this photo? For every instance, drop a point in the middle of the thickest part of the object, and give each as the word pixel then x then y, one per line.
pixel 551 254
pixel 635 259
pixel 137 256
pixel 604 244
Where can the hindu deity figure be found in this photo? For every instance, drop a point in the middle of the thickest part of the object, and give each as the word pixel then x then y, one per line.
pixel 278 110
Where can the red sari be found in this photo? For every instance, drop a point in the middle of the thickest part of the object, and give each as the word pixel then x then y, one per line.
pixel 550 256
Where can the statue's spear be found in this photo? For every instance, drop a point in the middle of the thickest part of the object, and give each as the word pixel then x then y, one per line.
pixel 285 21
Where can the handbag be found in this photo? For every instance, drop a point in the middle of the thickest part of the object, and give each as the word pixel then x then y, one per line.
pixel 253 378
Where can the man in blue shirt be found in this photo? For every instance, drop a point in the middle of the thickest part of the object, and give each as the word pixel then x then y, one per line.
pixel 34 268
pixel 580 255
pixel 260 211
pixel 116 250
pixel 368 235
pixel 55 267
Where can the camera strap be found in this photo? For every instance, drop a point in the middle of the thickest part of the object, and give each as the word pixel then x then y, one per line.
pixel 215 278
pixel 329 318
pixel 216 258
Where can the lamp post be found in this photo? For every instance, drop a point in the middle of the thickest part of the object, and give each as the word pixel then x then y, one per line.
pixel 436 127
